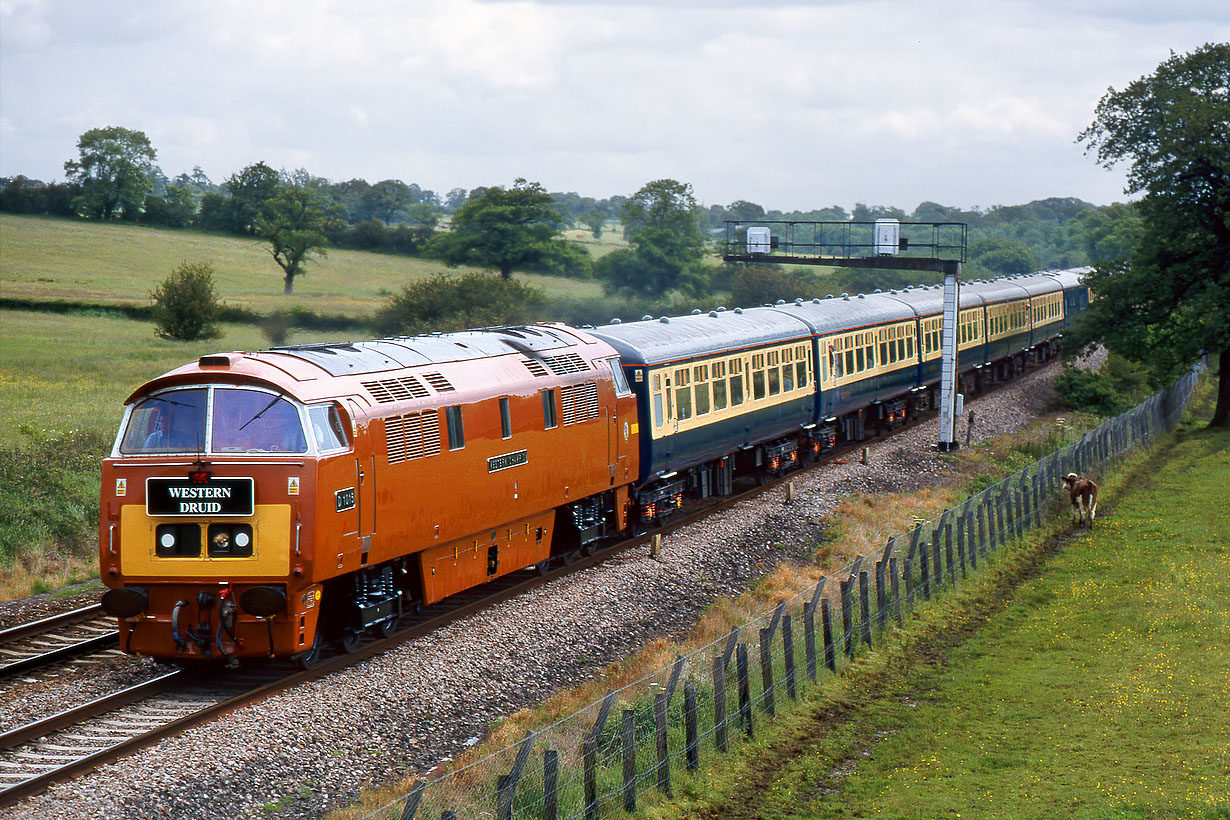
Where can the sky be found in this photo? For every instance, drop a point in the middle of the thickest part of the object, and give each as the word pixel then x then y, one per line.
pixel 792 105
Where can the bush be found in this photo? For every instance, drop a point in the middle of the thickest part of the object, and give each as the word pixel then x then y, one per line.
pixel 186 304
pixel 1115 388
pixel 444 303
pixel 49 492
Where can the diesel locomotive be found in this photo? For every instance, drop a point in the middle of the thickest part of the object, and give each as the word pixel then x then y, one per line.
pixel 268 504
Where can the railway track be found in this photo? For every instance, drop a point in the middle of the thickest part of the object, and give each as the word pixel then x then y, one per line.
pixel 68 744
pixel 27 647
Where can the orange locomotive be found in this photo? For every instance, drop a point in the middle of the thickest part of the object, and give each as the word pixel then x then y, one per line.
pixel 261 504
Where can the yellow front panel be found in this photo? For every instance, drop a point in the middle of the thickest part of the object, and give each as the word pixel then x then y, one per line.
pixel 271 547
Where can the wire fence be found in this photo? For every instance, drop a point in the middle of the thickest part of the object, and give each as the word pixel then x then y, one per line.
pixel 597 762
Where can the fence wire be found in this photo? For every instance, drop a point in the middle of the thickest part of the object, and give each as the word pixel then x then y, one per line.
pixel 598 761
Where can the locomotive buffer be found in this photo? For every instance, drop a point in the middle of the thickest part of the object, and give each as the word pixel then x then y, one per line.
pixel 879 244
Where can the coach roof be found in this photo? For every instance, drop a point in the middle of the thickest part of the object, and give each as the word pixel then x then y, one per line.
pixel 655 341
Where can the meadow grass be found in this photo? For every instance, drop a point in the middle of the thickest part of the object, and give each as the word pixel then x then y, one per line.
pixel 1099 689
pixel 113 263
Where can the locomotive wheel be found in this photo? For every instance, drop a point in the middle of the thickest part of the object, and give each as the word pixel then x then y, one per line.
pixel 348 641
pixel 386 627
pixel 542 567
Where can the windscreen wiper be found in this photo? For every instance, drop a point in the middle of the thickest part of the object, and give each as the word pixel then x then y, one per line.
pixel 276 399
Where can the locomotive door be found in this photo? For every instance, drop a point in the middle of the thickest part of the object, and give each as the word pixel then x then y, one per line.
pixel 364 487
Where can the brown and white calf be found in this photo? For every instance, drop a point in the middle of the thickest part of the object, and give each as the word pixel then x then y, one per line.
pixel 1084 495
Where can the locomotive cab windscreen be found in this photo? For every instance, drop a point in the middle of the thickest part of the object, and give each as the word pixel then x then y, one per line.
pixel 229 420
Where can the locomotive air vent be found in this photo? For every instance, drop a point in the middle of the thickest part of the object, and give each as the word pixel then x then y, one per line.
pixel 739 311
pixel 566 363
pixel 534 367
pixel 666 320
pixel 215 361
pixel 695 311
pixel 398 389
pixel 713 313
pixel 616 321
pixel 646 318
pixel 438 382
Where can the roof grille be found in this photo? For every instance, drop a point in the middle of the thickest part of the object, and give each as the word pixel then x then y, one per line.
pixel 438 382
pixel 564 364
pixel 414 435
pixel 403 388
pixel 579 402
pixel 534 367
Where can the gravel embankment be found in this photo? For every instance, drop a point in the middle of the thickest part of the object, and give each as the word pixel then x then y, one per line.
pixel 314 747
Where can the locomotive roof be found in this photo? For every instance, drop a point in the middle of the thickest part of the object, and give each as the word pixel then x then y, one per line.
pixel 358 358
pixel 654 341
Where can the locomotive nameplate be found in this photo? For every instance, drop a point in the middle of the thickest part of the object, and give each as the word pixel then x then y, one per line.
pixel 497 463
pixel 344 499
pixel 182 496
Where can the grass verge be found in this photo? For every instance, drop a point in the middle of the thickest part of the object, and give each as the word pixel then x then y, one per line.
pixel 1098 687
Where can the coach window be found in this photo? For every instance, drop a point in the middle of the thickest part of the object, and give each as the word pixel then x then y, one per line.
pixel 800 368
pixel 700 375
pixel 456 435
pixel 758 377
pixel 683 396
pixel 736 382
pixel 549 417
pixel 774 373
pixel 657 400
pixel 719 385
pixel 505 419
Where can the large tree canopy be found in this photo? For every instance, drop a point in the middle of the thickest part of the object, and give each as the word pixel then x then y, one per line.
pixel 115 169
pixel 293 223
pixel 663 227
pixel 503 229
pixel 1170 301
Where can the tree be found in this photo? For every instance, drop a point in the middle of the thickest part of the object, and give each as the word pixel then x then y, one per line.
pixel 594 219
pixel 115 170
pixel 1170 302
pixel 250 189
pixel 293 223
pixel 386 198
pixel 1109 234
pixel 663 225
pixel 445 303
pixel 186 304
pixel 1003 256
pixel 503 229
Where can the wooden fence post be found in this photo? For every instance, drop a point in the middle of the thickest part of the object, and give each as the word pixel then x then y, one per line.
pixel 960 525
pixel 507 783
pixel 766 669
pixel 691 730
pixel 892 579
pixel 659 721
pixel 864 608
pixel 745 689
pixel 809 640
pixel 550 784
pixel 589 758
pixel 847 619
pixel 628 736
pixel 412 800
pixel 937 576
pixel 826 626
pixel 788 656
pixel 948 557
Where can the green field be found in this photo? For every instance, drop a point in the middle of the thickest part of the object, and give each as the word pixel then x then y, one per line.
pixel 113 263
pixel 1099 689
